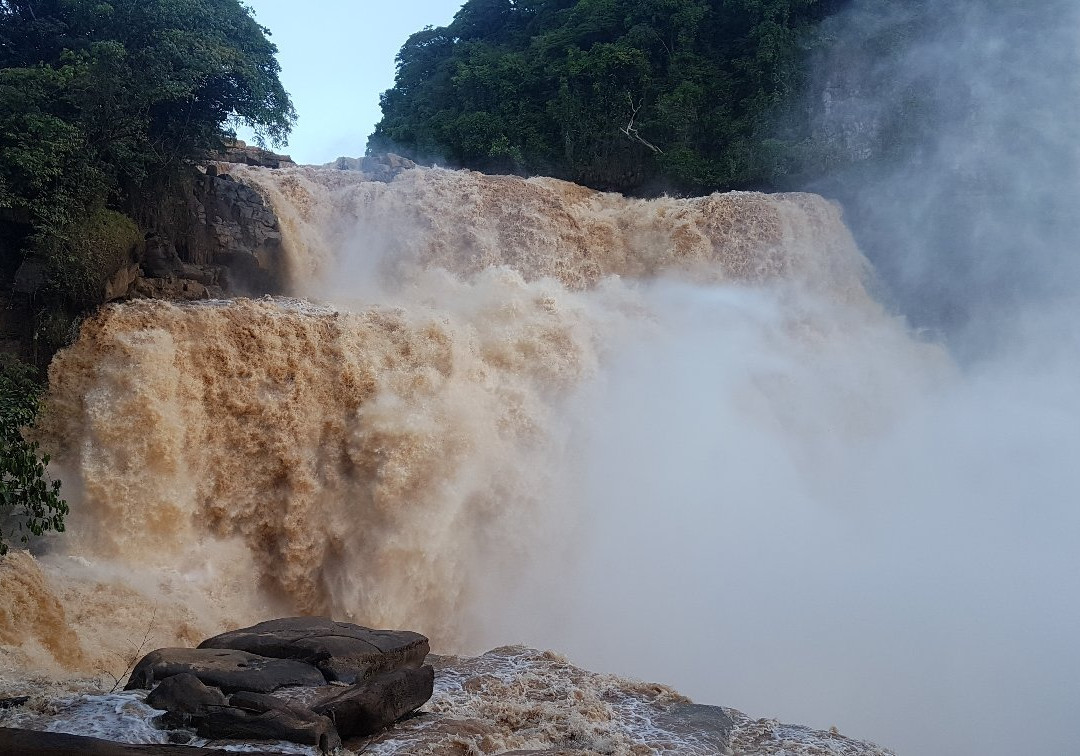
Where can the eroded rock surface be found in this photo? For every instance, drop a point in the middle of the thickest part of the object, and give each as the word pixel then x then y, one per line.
pixel 241 152
pixel 222 668
pixel 376 703
pixel 211 237
pixel 343 652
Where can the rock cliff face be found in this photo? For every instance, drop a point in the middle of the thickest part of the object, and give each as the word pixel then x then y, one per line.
pixel 216 236
pixel 211 237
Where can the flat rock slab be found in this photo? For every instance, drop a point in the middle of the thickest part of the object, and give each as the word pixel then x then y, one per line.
pixel 35 743
pixel 342 651
pixel 369 706
pixel 227 669
pixel 263 717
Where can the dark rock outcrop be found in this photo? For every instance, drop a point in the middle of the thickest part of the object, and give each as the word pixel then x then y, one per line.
pixel 241 152
pixel 343 652
pixel 263 717
pixel 226 669
pixel 239 232
pixel 366 708
pixel 208 236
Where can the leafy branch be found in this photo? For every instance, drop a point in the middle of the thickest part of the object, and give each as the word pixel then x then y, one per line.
pixel 29 498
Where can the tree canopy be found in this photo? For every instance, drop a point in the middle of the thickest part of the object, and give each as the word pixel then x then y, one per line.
pixel 631 95
pixel 98 98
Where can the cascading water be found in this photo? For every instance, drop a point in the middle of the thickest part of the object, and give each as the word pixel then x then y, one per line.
pixel 382 457
pixel 668 437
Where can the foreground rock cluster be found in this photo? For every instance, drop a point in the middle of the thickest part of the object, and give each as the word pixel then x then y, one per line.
pixel 306 680
pixel 511 700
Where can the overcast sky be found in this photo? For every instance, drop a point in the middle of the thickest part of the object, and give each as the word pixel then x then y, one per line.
pixel 336 57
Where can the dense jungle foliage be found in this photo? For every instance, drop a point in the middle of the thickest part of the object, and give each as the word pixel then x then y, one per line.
pixel 630 95
pixel 102 103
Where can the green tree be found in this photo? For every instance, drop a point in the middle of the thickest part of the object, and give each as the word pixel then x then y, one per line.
pixel 30 502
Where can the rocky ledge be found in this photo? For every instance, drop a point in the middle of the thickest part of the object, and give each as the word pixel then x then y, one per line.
pixel 326 685
pixel 306 680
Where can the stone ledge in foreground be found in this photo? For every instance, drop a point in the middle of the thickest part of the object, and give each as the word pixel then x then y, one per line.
pixel 37 743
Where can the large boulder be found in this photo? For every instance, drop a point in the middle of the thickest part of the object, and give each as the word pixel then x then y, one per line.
pixel 263 717
pixel 370 706
pixel 229 670
pixel 342 651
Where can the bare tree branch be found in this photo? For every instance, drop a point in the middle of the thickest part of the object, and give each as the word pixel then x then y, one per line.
pixel 132 659
pixel 631 132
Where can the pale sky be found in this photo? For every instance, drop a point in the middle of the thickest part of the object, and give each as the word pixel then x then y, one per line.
pixel 336 57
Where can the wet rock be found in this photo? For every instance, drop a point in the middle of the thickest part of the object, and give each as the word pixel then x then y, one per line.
pixel 342 651
pixel 184 696
pixel 263 717
pixel 711 725
pixel 206 225
pixel 236 229
pixel 35 743
pixel 382 168
pixel 206 275
pixel 226 669
pixel 370 706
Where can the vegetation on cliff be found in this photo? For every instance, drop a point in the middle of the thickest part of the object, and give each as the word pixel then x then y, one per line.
pixel 102 104
pixel 629 95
